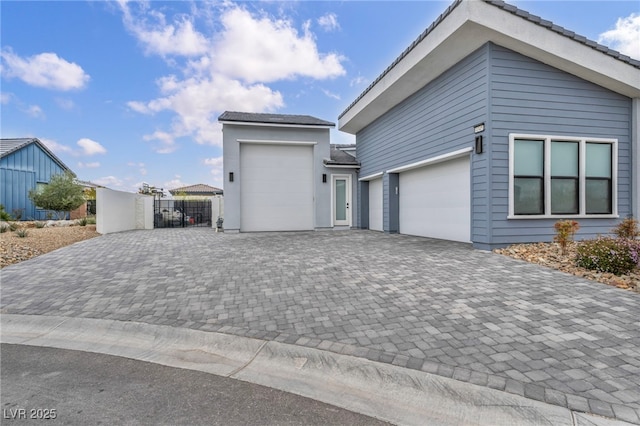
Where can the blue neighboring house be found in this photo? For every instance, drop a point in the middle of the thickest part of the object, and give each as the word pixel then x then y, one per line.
pixel 493 125
pixel 25 164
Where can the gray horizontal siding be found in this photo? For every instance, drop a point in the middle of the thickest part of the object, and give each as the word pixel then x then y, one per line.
pixel 437 119
pixel 530 97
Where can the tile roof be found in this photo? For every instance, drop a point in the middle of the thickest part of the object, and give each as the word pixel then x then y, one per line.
pixel 283 119
pixel 198 189
pixel 8 146
pixel 341 158
pixel 508 8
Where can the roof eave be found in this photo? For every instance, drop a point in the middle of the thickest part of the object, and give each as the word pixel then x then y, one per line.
pixel 269 124
pixel 467 27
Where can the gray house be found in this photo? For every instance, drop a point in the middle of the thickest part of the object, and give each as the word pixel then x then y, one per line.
pixel 493 125
pixel 281 174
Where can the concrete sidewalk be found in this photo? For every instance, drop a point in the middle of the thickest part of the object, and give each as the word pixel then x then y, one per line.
pixel 394 394
pixel 425 305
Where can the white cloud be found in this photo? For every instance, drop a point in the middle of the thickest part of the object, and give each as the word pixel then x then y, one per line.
pixel 93 165
pixel 162 38
pixel 56 147
pixel 44 70
pixel 197 102
pixel 331 94
pixel 108 181
pixel 329 22
pixel 265 50
pixel 90 147
pixel 358 81
pixel 141 167
pixel 175 183
pixel 625 37
pixel 166 142
pixel 5 98
pixel 229 71
pixel 216 164
pixel 34 111
pixel 65 103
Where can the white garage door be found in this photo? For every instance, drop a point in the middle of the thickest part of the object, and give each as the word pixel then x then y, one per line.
pixel 375 204
pixel 435 201
pixel 276 191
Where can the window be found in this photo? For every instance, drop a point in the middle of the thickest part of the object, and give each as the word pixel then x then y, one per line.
pixel 561 176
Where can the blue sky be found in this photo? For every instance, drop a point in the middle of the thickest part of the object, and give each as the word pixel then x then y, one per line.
pixel 130 92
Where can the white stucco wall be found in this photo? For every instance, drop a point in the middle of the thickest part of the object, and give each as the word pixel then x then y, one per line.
pixel 118 211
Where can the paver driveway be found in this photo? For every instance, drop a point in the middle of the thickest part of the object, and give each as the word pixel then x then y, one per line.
pixel 438 306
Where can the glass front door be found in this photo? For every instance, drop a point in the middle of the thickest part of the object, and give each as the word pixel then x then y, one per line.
pixel 341 200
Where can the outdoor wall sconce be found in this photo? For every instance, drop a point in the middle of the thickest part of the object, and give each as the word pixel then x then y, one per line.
pixel 230 176
pixel 479 149
pixel 324 178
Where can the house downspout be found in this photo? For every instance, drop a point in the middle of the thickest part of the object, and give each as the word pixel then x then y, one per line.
pixel 635 157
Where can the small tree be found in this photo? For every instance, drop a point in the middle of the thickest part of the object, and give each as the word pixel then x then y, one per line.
pixel 565 230
pixel 62 194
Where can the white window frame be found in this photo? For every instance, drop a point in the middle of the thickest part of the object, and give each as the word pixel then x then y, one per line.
pixel 547 176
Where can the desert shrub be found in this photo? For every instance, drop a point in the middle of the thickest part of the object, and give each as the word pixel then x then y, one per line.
pixel 82 221
pixel 91 220
pixel 40 224
pixel 565 230
pixel 22 233
pixel 12 226
pixel 17 214
pixel 604 254
pixel 628 228
pixel 4 227
pixel 4 215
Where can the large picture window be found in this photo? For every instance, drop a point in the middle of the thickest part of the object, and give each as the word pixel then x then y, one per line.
pixel 561 176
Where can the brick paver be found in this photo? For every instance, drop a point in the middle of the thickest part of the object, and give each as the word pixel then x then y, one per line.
pixel 438 306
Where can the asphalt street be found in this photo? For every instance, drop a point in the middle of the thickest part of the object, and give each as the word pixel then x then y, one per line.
pixel 57 386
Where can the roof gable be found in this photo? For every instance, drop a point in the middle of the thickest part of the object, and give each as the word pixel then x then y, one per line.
pixel 273 119
pixel 9 146
pixel 469 24
pixel 198 189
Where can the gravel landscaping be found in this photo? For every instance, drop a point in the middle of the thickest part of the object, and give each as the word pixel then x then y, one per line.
pixel 550 255
pixel 14 249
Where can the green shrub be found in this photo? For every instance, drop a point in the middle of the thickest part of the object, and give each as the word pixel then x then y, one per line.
pixel 605 254
pixel 91 220
pixel 22 233
pixel 4 215
pixel 82 221
pixel 628 228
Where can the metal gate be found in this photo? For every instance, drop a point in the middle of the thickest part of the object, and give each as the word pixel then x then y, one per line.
pixel 181 213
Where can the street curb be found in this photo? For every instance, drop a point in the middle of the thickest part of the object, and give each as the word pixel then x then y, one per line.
pixel 387 392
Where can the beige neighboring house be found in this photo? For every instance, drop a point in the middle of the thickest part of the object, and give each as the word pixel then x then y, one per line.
pixel 195 192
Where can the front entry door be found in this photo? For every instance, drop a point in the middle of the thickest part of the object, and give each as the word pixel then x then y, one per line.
pixel 341 200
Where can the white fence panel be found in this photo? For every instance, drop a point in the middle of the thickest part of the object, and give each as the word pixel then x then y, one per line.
pixel 118 211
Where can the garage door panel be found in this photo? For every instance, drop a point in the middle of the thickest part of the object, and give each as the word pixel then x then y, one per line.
pixel 375 205
pixel 276 187
pixel 435 201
